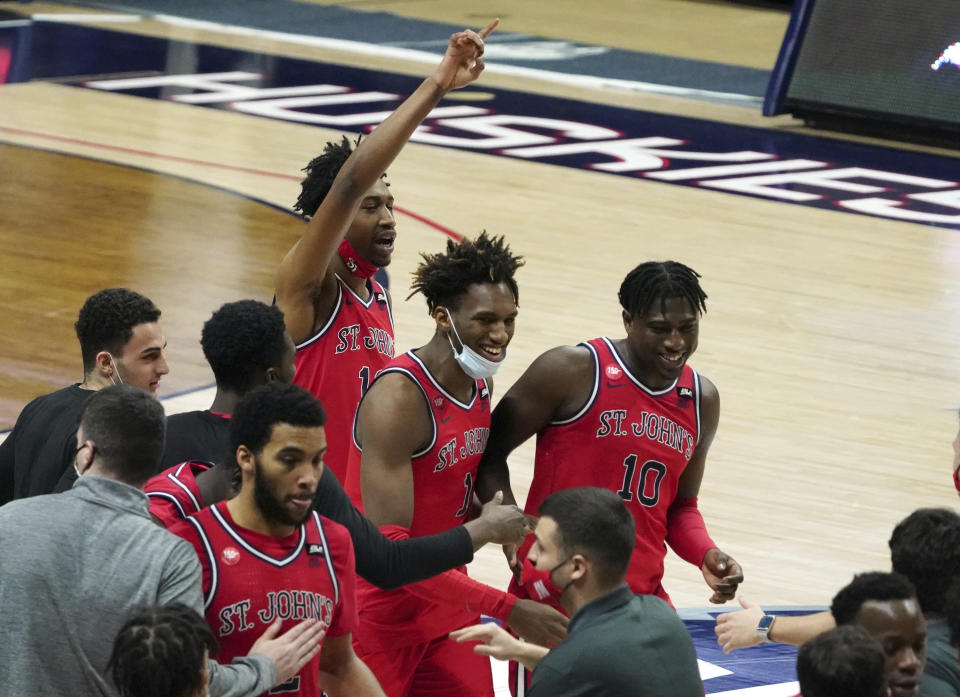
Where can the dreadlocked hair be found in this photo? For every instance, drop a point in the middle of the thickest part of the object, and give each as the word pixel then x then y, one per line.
pixel 656 281
pixel 159 652
pixel 321 171
pixel 444 277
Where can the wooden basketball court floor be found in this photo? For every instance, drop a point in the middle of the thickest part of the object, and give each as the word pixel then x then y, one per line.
pixel 831 337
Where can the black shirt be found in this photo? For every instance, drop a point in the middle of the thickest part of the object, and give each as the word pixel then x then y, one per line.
pixel 42 444
pixel 204 437
pixel 621 644
pixel 195 436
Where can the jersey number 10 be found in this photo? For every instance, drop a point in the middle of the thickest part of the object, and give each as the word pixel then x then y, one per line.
pixel 648 483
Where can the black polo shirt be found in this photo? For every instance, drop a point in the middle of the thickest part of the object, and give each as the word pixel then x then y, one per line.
pixel 41 446
pixel 621 644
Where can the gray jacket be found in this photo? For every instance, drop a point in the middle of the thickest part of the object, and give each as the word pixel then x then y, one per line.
pixel 73 566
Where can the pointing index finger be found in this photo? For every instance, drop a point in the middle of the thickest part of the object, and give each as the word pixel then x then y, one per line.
pixel 487 30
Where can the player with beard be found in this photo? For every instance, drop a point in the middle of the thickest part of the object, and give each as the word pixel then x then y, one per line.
pixel 641 416
pixel 338 315
pixel 270 560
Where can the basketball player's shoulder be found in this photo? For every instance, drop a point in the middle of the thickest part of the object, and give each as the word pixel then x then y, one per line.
pixel 575 363
pixel 566 358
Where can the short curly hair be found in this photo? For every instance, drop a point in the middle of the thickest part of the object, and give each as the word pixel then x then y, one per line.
pixel 263 407
pixel 873 585
pixel 444 277
pixel 844 661
pixel 241 340
pixel 107 319
pixel 321 171
pixel 925 547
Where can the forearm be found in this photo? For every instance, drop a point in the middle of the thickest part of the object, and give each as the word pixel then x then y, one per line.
pixel 530 654
pixel 377 151
pixel 353 680
pixel 800 629
pixel 493 475
pixel 391 563
pixel 245 677
pixel 687 533
pixel 458 590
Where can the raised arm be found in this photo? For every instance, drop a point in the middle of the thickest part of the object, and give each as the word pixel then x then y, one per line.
pixel 686 531
pixel 304 277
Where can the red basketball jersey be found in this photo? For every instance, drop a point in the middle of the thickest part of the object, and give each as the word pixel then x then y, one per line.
pixel 250 579
pixel 174 493
pixel 444 472
pixel 631 440
pixel 338 363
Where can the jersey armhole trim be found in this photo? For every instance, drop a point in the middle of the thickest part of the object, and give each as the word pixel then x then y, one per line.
pixel 328 557
pixel 594 392
pixel 169 497
pixel 426 399
pixel 186 489
pixel 209 595
pixel 329 323
pixel 696 393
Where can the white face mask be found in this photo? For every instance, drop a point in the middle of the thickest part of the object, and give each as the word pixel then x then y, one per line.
pixel 471 362
pixel 116 371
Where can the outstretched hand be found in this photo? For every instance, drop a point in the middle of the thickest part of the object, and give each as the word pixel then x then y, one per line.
pixel 738 630
pixel 494 641
pixel 291 650
pixel 723 574
pixel 463 61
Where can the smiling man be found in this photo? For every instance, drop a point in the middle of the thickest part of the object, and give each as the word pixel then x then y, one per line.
pixel 420 432
pixel 338 315
pixel 640 416
pixel 121 341
pixel 885 605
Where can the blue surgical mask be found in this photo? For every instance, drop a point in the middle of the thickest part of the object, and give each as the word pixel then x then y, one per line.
pixel 471 362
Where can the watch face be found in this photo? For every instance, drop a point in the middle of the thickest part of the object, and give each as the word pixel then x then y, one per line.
pixel 765 622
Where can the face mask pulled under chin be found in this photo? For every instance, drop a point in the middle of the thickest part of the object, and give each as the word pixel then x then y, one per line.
pixel 471 362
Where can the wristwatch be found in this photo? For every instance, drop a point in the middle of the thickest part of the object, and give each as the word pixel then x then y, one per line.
pixel 763 627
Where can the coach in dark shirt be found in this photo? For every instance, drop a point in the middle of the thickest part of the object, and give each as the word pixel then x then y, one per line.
pixel 247 345
pixel 120 341
pixel 617 643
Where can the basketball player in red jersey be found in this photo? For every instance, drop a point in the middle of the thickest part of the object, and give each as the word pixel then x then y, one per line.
pixel 268 557
pixel 627 415
pixel 419 436
pixel 338 316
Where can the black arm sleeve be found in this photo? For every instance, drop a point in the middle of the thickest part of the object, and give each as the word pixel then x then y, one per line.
pixel 391 563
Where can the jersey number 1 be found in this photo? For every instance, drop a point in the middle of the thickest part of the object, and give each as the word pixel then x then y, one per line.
pixel 648 483
pixel 467 497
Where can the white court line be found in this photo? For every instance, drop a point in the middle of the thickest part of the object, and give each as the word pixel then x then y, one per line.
pixel 81 18
pixel 588 81
pixel 783 689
